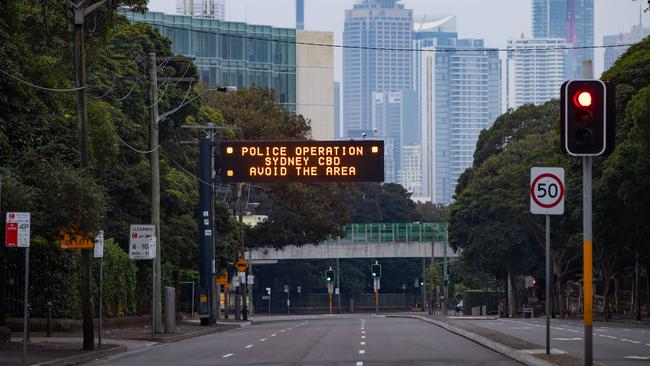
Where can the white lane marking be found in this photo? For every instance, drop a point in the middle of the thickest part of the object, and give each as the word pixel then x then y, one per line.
pixel 263 340
pixel 637 357
pixel 519 328
pixel 364 337
pixel 630 341
pixel 249 346
pixel 227 355
pixel 282 331
pixel 626 330
pixel 362 351
pixel 647 344
pixel 290 328
pixel 359 363
pixel 567 339
pixel 363 332
pixel 273 335
pixel 362 343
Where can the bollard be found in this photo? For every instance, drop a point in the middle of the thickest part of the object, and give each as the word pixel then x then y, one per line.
pixel 49 320
pixel 351 305
pixel 237 307
pixel 170 310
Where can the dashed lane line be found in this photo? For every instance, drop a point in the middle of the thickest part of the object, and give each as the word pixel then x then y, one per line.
pixel 228 355
pixel 249 346
pixel 263 340
pixel 362 351
pixel 359 363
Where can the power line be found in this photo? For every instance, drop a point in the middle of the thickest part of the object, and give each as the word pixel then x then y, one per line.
pixel 369 48
pixel 42 87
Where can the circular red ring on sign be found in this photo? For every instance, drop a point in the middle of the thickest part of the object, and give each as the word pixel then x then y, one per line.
pixel 532 190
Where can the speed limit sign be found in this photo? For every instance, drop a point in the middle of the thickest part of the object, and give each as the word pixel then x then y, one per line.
pixel 547 191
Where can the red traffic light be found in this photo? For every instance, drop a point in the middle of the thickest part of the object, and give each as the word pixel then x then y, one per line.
pixel 583 99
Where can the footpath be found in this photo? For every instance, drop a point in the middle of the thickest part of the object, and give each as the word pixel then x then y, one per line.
pixel 66 348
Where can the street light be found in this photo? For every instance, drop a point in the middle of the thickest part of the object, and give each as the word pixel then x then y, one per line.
pixel 433 241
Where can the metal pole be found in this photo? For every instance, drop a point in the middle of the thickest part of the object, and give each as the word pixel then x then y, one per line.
pixel 25 307
pixel 446 274
pixel 155 188
pixel 433 255
pixel 193 300
pixel 587 257
pixel 288 302
pixel 206 253
pixel 153 296
pixel 548 284
pixel 637 295
pixel 424 282
pixel 101 301
pixel 376 299
pixel 269 304
pixel 338 286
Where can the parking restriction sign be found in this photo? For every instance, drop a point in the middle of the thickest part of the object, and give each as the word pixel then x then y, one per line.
pixel 17 230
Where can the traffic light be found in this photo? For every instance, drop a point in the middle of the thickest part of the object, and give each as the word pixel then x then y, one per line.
pixel 588 117
pixel 375 270
pixel 329 275
pixel 421 281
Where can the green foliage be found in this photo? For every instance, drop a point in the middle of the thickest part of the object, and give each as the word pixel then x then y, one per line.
pixel 120 287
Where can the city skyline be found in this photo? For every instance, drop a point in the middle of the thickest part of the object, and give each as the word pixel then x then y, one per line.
pixel 476 19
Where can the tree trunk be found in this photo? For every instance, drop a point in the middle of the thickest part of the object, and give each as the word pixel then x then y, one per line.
pixel 3 281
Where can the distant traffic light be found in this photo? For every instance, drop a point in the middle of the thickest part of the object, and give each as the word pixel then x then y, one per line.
pixel 421 281
pixel 329 275
pixel 375 270
pixel 588 117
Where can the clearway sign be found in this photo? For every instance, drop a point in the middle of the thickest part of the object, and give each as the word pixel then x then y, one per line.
pixel 547 191
pixel 142 242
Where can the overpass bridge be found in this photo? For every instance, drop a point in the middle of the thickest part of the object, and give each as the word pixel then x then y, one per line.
pixel 416 240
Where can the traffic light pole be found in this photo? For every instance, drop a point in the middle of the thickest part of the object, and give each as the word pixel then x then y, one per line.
pixel 587 162
pixel 548 284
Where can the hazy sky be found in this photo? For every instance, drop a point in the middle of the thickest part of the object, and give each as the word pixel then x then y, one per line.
pixel 493 20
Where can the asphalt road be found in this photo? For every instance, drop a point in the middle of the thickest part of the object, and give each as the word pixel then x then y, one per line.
pixel 614 345
pixel 356 341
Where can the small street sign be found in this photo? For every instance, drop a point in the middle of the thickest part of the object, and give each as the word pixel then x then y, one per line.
pixel 235 282
pixel 265 297
pixel 222 279
pixel 99 245
pixel 142 242
pixel 286 289
pixel 250 280
pixel 241 265
pixel 547 191
pixel 298 289
pixel 268 290
pixel 17 230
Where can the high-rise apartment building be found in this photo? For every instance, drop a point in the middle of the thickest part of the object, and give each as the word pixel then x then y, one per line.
pixel 458 86
pixel 571 20
pixel 232 53
pixel 535 70
pixel 612 54
pixel 213 9
pixel 369 25
pixel 394 114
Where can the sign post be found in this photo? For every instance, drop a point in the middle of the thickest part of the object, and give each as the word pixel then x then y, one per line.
pixel 17 236
pixel 286 291
pixel 547 198
pixel 268 292
pixel 99 253
pixel 142 246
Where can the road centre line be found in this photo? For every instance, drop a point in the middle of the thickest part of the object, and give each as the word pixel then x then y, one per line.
pixel 359 363
pixel 362 343
pixel 249 346
pixel 263 340
pixel 362 351
pixel 227 355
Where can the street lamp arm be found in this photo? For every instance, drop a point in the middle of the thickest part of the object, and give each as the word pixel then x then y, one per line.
pixel 227 89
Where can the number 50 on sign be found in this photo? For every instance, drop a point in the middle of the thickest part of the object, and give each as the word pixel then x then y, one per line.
pixel 547 191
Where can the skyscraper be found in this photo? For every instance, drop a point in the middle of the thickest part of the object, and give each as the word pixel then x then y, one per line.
pixel 374 24
pixel 535 70
pixel 300 14
pixel 458 86
pixel 572 20
pixel 213 9
pixel 637 33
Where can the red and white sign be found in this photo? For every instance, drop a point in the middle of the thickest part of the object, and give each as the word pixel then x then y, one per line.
pixel 17 230
pixel 547 191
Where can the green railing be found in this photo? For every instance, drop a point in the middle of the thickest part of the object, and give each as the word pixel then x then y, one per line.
pixel 392 233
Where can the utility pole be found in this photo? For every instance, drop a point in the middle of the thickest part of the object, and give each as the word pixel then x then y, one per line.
pixel 155 189
pixel 446 274
pixel 82 116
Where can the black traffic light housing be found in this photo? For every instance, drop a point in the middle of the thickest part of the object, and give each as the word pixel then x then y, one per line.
pixel 329 275
pixel 375 270
pixel 587 117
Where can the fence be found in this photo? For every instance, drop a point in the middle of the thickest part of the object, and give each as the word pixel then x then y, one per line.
pixel 320 302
